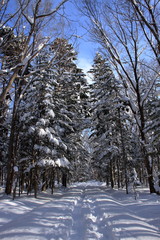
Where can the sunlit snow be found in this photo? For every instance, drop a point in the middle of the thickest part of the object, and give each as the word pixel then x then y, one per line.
pixel 83 211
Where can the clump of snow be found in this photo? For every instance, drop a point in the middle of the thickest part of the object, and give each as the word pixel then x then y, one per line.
pixel 42 121
pixel 54 152
pixel 41 132
pixel 54 141
pixel 23 159
pixel 45 162
pixel 51 113
pixel 31 129
pixel 46 101
pixel 15 169
pixel 46 150
pixel 62 162
pixel 48 95
pixel 36 147
pixel 64 146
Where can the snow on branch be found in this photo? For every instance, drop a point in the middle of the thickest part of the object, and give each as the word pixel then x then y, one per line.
pixel 62 162
pixel 148 91
pixel 29 19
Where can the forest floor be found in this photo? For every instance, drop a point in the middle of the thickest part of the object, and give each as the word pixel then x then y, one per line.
pixel 84 211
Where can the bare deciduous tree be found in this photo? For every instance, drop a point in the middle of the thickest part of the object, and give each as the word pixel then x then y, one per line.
pixel 35 18
pixel 147 12
pixel 124 43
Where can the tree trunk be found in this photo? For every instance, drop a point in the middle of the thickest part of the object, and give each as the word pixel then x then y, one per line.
pixel 150 173
pixel 124 156
pixel 3 136
pixel 126 179
pixel 111 174
pixel 118 174
pixel 35 181
pixel 52 180
pixel 147 163
pixel 11 150
pixel 64 179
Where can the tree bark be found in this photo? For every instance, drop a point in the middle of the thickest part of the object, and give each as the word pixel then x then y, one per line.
pixel 64 179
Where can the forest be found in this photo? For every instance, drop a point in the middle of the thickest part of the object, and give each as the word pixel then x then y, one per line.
pixel 56 127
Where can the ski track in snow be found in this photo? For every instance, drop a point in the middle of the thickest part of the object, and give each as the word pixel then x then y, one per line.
pixel 80 213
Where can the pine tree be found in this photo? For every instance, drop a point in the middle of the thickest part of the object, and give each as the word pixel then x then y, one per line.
pixel 103 91
pixel 71 92
pixel 153 132
pixel 109 116
pixel 51 119
pixel 39 141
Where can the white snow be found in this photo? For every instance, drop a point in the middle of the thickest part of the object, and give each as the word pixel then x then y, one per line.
pixel 48 95
pixel 44 162
pixel 41 45
pixel 53 139
pixel 42 132
pixel 42 121
pixel 15 169
pixel 51 113
pixel 62 162
pixel 31 129
pixel 46 101
pixel 46 150
pixel 84 211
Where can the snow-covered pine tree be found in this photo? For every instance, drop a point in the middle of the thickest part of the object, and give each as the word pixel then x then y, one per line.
pixel 108 121
pixel 39 142
pixel 102 113
pixel 153 132
pixel 71 95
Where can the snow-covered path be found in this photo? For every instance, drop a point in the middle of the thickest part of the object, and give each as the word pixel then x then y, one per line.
pixel 81 213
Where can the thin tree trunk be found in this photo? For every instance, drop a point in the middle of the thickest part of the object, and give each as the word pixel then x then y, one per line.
pixel 64 179
pixel 118 174
pixel 35 181
pixel 11 152
pixel 10 163
pixel 52 180
pixel 111 174
pixel 123 153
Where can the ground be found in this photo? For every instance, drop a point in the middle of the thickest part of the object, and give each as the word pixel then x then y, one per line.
pixel 86 211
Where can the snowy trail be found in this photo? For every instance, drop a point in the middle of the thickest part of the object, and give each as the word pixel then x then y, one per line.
pixel 81 213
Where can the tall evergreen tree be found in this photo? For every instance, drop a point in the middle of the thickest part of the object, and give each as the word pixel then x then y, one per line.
pixel 109 116
pixel 72 95
pixel 39 140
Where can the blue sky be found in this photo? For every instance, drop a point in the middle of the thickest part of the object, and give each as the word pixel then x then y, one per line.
pixel 80 38
pixel 83 44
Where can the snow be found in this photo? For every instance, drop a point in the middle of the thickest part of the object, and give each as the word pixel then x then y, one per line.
pixel 44 162
pixel 41 45
pixel 83 211
pixel 53 140
pixel 30 19
pixel 15 169
pixel 48 95
pixel 26 59
pixel 31 129
pixel 64 146
pixel 41 132
pixel 42 121
pixel 62 162
pixel 46 150
pixel 46 101
pixel 51 113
